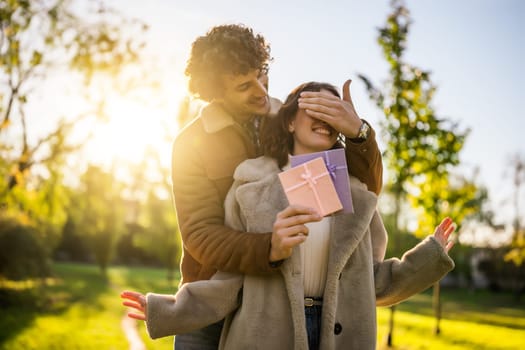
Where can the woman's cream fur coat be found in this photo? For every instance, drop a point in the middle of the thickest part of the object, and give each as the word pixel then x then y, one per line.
pixel 267 312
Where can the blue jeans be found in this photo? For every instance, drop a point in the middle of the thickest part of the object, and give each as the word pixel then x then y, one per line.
pixel 206 338
pixel 313 325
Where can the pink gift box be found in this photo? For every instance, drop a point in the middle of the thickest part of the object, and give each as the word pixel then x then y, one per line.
pixel 310 185
pixel 335 161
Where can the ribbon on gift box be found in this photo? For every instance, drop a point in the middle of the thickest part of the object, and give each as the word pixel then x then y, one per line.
pixel 332 168
pixel 335 162
pixel 311 181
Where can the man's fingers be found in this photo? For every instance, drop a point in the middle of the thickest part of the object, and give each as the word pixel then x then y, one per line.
pixel 317 107
pixel 346 91
pixel 318 97
pixel 320 103
pixel 327 118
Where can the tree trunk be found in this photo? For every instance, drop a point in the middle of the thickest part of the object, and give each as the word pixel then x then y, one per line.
pixel 436 301
pixel 390 340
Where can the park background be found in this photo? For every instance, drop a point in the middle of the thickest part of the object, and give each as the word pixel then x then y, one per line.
pixel 93 93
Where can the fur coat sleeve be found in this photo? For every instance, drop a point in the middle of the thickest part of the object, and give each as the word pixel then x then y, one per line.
pixel 196 305
pixel 419 268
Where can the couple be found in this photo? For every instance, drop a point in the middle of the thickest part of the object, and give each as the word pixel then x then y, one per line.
pixel 294 280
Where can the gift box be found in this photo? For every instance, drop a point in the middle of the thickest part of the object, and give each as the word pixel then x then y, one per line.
pixel 310 185
pixel 335 161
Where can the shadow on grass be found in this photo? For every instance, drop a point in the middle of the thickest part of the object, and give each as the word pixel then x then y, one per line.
pixel 480 306
pixel 22 302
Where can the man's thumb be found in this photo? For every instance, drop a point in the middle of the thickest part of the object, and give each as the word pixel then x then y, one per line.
pixel 346 91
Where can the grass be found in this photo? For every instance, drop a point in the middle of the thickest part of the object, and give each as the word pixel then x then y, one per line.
pixel 79 309
pixel 470 320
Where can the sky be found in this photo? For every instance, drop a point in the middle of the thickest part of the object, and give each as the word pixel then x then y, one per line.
pixel 474 49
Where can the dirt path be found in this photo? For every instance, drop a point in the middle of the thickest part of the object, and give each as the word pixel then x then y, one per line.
pixel 129 326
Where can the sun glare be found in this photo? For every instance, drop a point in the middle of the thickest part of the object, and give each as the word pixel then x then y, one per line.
pixel 132 129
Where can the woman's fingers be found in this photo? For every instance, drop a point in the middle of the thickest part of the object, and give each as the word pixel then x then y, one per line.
pixel 443 232
pixel 136 301
pixel 131 295
pixel 134 305
pixel 449 246
pixel 139 317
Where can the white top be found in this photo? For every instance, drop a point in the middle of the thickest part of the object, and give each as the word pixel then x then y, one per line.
pixel 314 256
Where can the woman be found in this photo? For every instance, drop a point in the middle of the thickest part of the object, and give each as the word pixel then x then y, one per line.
pixel 328 289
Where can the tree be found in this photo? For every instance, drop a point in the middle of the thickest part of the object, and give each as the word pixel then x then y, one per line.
pixel 516 255
pixel 420 147
pixel 440 195
pixel 153 211
pixel 99 213
pixel 72 246
pixel 39 38
pixel 82 40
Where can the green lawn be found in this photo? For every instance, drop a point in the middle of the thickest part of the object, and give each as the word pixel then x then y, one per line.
pixel 470 320
pixel 78 309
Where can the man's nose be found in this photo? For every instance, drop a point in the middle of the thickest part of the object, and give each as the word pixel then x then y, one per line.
pixel 260 88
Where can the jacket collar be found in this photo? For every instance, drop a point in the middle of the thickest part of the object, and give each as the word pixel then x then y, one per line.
pixel 215 118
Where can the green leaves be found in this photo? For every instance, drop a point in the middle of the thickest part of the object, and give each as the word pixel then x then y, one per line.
pixel 421 148
pixel 38 39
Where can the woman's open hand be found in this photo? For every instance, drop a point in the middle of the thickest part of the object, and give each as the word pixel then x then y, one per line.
pixel 443 232
pixel 136 301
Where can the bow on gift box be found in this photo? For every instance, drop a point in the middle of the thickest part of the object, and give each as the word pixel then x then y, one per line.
pixel 332 168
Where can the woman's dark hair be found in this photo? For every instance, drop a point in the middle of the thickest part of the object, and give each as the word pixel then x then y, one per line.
pixel 226 49
pixel 276 139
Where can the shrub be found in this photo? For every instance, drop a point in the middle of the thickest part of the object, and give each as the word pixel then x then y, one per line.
pixel 22 253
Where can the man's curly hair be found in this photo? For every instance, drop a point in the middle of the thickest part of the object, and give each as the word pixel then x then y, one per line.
pixel 225 49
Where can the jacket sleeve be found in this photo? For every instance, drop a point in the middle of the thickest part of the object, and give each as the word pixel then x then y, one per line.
pixel 200 211
pixel 419 268
pixel 365 162
pixel 196 305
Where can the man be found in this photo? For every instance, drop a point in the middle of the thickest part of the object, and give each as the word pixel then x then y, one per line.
pixel 228 68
